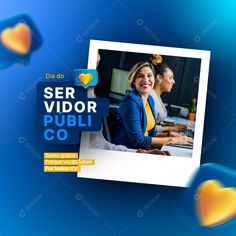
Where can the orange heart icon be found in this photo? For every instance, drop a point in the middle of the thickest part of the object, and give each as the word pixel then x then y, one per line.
pixel 17 39
pixel 85 78
pixel 215 204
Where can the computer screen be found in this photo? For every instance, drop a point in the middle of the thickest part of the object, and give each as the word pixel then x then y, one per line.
pixel 119 83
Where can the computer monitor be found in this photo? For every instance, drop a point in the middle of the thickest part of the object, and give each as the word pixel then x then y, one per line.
pixel 119 83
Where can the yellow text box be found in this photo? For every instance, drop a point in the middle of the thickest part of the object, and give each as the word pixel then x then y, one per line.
pixel 61 155
pixel 61 168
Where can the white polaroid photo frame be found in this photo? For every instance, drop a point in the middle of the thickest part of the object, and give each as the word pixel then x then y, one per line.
pixel 147 168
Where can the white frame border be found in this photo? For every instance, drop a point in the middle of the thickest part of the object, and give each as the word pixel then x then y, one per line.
pixel 143 168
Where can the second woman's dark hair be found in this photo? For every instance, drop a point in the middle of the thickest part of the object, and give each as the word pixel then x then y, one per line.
pixel 158 64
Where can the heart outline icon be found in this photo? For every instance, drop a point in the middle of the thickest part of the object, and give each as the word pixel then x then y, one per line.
pixel 17 39
pixel 215 204
pixel 85 78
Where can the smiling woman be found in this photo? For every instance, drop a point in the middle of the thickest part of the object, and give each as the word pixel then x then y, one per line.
pixel 136 121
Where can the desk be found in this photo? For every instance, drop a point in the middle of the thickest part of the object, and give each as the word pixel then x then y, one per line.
pixel 182 121
pixel 178 151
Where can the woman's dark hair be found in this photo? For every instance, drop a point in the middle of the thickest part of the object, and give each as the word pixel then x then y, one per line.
pixel 158 64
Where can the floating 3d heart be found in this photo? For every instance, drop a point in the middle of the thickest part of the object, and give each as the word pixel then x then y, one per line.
pixel 17 39
pixel 85 78
pixel 215 204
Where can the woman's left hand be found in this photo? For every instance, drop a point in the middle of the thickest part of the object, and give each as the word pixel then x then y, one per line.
pixel 185 140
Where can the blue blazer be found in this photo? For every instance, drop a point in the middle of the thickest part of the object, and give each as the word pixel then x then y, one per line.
pixel 132 122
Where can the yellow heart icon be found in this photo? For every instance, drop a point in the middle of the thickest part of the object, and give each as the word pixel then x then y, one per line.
pixel 215 204
pixel 85 78
pixel 17 39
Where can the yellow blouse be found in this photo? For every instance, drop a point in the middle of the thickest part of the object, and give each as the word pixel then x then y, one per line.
pixel 150 119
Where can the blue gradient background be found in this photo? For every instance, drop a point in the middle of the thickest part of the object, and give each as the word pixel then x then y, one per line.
pixel 38 203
